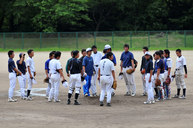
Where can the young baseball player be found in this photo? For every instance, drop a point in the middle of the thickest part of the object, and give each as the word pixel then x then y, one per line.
pixel 12 76
pixel 148 78
pixel 96 55
pixel 83 55
pixel 75 68
pixel 108 49
pixel 51 56
pixel 142 69
pixel 180 75
pixel 22 79
pixel 154 77
pixel 127 62
pixel 106 71
pixel 55 72
pixel 67 71
pixel 88 66
pixel 167 72
pixel 159 74
pixel 31 72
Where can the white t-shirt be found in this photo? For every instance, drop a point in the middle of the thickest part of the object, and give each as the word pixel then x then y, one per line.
pixel 169 62
pixel 97 57
pixel 30 63
pixel 106 67
pixel 180 62
pixel 54 65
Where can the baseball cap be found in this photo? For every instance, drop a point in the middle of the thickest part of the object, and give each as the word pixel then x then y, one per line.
pixel 88 49
pixel 107 46
pixel 20 54
pixel 147 53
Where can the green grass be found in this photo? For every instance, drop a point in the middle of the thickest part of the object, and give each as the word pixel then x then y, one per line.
pixel 68 41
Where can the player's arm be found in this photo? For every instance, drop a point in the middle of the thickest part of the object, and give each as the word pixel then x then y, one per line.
pixel 151 73
pixel 29 71
pixel 158 72
pixel 16 70
pixel 133 65
pixel 61 74
pixel 113 73
pixel 169 71
pixel 121 66
pixel 46 71
pixel 99 74
pixel 186 72
pixel 21 59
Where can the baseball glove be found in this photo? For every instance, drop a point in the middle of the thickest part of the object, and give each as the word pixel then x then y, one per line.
pixel 82 78
pixel 46 80
pixel 157 82
pixel 168 81
pixel 114 85
pixel 129 71
pixel 143 71
pixel 17 74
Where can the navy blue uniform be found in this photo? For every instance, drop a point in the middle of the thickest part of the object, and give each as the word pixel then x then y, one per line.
pixel 148 66
pixel 47 65
pixel 21 67
pixel 114 58
pixel 126 57
pixel 160 65
pixel 11 65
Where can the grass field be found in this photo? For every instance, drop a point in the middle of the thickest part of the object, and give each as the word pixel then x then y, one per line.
pixel 69 41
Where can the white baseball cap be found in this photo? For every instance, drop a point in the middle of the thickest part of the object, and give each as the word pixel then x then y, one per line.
pixel 147 53
pixel 88 49
pixel 107 46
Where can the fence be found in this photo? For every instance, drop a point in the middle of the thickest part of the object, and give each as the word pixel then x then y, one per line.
pixel 78 40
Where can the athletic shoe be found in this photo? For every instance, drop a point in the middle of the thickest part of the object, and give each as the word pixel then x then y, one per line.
pixel 156 96
pixel 76 103
pixel 143 94
pixel 47 97
pixel 49 100
pixel 133 94
pixel 108 104
pixel 147 102
pixel 112 94
pixel 153 101
pixel 127 94
pixel 24 98
pixel 176 96
pixel 182 97
pixel 157 100
pixel 11 100
pixel 68 102
pixel 101 103
pixel 29 98
pixel 57 101
pixel 86 95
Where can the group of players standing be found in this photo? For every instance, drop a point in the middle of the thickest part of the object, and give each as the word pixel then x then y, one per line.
pixel 92 66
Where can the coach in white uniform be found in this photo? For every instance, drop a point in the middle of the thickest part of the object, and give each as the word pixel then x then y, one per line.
pixel 56 72
pixel 31 72
pixel 179 74
pixel 105 74
pixel 96 55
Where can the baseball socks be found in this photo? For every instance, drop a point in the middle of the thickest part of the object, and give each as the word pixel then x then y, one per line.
pixel 76 97
pixel 69 96
pixel 178 92
pixel 184 92
pixel 28 92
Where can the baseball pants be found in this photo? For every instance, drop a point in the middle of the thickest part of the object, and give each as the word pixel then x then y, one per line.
pixel 86 87
pixel 48 88
pixel 143 83
pixel 55 84
pixel 167 88
pixel 105 84
pixel 12 83
pixel 129 80
pixel 75 83
pixel 94 80
pixel 149 88
pixel 30 81
pixel 22 83
pixel 180 82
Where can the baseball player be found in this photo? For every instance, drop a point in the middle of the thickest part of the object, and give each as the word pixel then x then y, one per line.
pixel 127 62
pixel 22 79
pixel 142 68
pixel 167 72
pixel 12 76
pixel 88 66
pixel 55 72
pixel 67 71
pixel 108 49
pixel 106 71
pixel 31 72
pixel 159 74
pixel 96 55
pixel 154 77
pixel 75 68
pixel 51 56
pixel 83 55
pixel 148 78
pixel 180 75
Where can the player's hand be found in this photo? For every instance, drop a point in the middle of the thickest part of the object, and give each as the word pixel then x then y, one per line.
pixel 68 75
pixel 149 79
pixel 34 73
pixel 185 75
pixel 20 73
pixel 31 77
pixel 98 77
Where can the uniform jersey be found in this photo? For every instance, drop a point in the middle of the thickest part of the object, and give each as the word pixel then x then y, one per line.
pixel 30 63
pixel 81 58
pixel 126 57
pixel 75 66
pixel 148 66
pixel 54 66
pixel 97 57
pixel 89 65
pixel 143 62
pixel 47 65
pixel 106 67
pixel 167 63
pixel 21 67
pixel 11 65
pixel 180 62
pixel 114 58
pixel 68 64
pixel 160 65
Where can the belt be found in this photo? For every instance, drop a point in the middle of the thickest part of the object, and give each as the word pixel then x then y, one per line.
pixel 96 65
pixel 126 67
pixel 105 75
pixel 178 69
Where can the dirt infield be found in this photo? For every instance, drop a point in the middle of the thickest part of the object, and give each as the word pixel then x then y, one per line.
pixel 125 111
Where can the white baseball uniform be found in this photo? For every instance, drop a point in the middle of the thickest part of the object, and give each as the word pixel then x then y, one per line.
pixel 30 63
pixel 96 58
pixel 180 62
pixel 54 65
pixel 149 87
pixel 106 67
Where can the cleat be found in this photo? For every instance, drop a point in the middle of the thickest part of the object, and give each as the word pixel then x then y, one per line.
pixel 101 103
pixel 11 100
pixel 86 95
pixel 76 103
pixel 182 97
pixel 176 96
pixel 153 101
pixel 147 102
pixel 133 94
pixel 68 102
pixel 157 100
pixel 108 104
pixel 49 100
pixel 144 94
pixel 56 101
pixel 24 98
pixel 29 98
pixel 112 94
pixel 127 94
